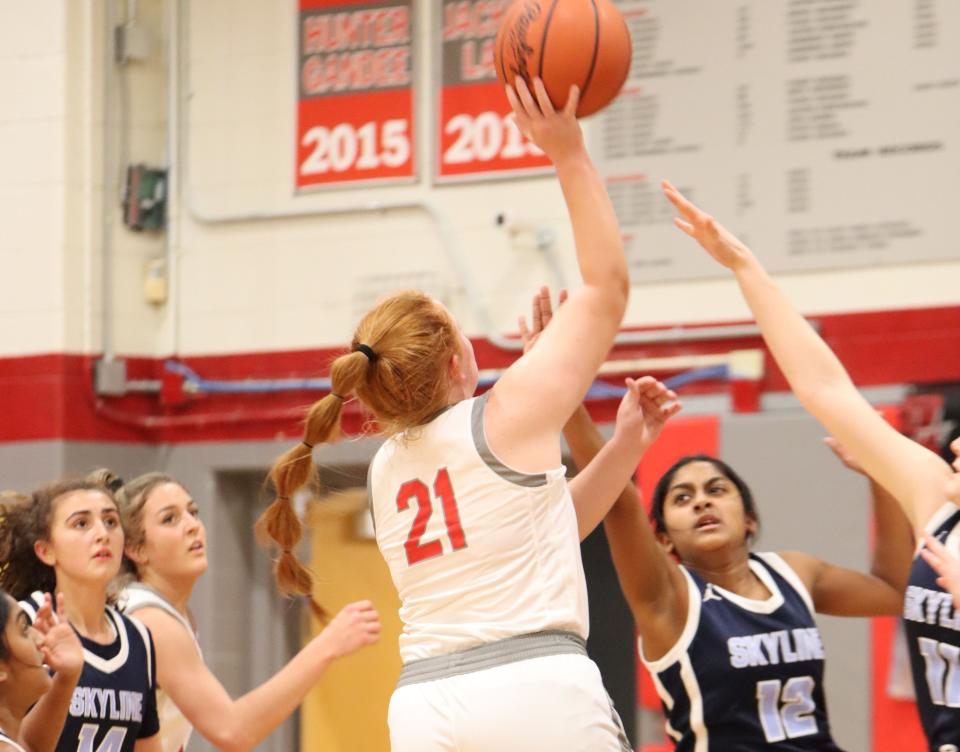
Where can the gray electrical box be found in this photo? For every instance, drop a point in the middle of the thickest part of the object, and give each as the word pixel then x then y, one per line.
pixel 110 377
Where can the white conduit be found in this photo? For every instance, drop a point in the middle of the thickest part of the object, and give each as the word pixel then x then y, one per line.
pixel 742 364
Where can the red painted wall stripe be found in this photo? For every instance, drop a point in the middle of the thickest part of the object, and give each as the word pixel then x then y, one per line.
pixel 51 396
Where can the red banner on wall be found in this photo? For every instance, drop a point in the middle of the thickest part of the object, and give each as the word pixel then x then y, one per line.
pixel 355 112
pixel 477 133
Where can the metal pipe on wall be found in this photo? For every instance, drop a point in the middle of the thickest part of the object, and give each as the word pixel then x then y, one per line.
pixel 171 240
pixel 109 186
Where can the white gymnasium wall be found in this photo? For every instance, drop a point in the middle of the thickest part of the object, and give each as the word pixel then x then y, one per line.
pixel 138 135
pixel 52 182
pixel 33 83
pixel 258 284
pixel 301 283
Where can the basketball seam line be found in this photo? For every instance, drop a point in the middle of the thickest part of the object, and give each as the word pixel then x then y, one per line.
pixel 503 65
pixel 596 47
pixel 543 40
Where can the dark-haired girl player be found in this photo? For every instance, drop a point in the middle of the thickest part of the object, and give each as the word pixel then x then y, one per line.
pixel 66 538
pixel 926 486
pixel 728 634
pixel 166 556
pixel 27 656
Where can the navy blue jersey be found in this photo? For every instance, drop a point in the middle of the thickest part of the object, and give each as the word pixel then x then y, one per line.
pixel 932 626
pixel 746 675
pixel 115 702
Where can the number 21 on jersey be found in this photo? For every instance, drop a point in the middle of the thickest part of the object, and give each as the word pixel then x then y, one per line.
pixel 417 491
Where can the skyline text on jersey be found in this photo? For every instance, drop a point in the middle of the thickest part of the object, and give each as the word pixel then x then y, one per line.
pixel 930 607
pixel 102 704
pixel 774 648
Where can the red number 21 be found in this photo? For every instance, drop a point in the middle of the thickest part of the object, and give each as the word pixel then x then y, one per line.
pixel 417 489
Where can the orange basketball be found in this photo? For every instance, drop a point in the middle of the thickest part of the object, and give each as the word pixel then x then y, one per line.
pixel 565 42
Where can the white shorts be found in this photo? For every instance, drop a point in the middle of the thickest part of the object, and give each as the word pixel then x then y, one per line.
pixel 550 704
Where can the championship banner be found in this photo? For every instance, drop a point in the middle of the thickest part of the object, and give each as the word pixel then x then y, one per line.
pixel 355 109
pixel 477 133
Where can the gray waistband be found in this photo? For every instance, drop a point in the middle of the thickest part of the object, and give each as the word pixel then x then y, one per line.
pixel 499 653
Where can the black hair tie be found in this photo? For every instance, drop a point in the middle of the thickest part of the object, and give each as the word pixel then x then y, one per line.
pixel 307 444
pixel 368 351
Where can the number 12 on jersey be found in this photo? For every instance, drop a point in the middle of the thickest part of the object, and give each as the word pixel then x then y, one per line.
pixel 786 709
pixel 417 490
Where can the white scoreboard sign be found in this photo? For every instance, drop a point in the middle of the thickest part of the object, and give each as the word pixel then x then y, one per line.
pixel 826 133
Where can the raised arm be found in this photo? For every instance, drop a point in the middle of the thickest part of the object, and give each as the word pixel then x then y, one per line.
pixel 647 405
pixel 642 413
pixel 846 592
pixel 62 653
pixel 240 725
pixel 894 542
pixel 915 476
pixel 571 351
pixel 653 585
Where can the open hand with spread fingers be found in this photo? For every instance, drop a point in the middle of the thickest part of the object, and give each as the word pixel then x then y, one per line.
pixel 541 311
pixel 61 648
pixel 643 411
pixel 716 240
pixel 557 132
pixel 944 564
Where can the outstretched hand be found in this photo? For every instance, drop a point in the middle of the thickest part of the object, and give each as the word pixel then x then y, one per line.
pixel 557 132
pixel 61 648
pixel 541 311
pixel 644 409
pixel 716 240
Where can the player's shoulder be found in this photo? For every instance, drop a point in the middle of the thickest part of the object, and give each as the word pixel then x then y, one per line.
pixel 803 565
pixel 164 626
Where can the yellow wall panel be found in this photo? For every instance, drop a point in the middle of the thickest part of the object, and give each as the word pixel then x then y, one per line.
pixel 347 711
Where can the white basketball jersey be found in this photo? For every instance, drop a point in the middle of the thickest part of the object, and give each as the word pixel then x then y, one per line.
pixel 478 552
pixel 175 729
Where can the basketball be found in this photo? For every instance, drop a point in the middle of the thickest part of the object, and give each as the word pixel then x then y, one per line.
pixel 565 42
